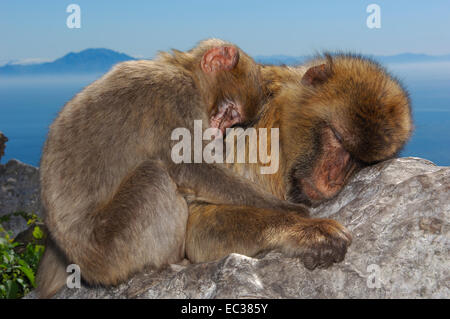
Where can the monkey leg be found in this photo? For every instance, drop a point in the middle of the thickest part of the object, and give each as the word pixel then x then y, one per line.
pixel 143 225
pixel 214 231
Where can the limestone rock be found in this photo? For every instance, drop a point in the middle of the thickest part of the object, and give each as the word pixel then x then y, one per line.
pixel 398 212
pixel 3 140
pixel 19 191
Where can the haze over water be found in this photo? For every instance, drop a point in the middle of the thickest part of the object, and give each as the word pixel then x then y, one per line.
pixel 28 105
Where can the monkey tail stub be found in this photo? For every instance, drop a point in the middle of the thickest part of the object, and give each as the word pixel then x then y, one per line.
pixel 51 275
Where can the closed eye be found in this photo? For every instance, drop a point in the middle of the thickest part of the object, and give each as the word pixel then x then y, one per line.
pixel 337 135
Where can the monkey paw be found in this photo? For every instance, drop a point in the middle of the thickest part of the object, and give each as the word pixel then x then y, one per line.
pixel 321 242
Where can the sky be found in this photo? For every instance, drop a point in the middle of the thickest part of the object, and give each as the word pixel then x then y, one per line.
pixel 37 30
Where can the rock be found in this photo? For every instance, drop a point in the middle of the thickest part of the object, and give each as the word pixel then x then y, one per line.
pixel 3 140
pixel 398 212
pixel 19 192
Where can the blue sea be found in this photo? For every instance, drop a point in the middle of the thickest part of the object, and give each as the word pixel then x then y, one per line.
pixel 28 105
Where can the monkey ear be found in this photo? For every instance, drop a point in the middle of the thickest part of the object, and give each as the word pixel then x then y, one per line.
pixel 317 75
pixel 220 59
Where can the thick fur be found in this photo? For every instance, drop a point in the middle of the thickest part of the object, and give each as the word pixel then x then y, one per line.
pixel 354 115
pixel 214 231
pixel 54 262
pixel 113 198
pixel 336 114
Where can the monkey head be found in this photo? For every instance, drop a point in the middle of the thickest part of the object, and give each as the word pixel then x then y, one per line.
pixel 343 113
pixel 230 80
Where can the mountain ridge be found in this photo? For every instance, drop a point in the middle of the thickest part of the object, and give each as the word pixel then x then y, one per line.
pixel 90 60
pixel 96 60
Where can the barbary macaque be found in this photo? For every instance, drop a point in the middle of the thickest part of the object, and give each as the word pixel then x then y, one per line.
pixel 335 115
pixel 113 198
pixel 116 202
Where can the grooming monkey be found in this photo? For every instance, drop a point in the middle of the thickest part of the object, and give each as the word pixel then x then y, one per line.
pixel 112 196
pixel 215 230
pixel 335 115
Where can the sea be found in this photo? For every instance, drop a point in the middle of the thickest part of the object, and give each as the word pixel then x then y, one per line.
pixel 29 104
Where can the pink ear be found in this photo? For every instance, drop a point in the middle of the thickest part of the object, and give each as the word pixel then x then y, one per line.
pixel 317 75
pixel 219 59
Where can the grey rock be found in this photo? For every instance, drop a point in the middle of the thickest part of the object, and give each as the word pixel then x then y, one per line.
pixel 3 140
pixel 19 191
pixel 398 212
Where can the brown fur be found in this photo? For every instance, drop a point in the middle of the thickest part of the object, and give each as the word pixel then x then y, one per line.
pixel 112 195
pixel 114 203
pixel 214 231
pixel 335 115
pixel 351 115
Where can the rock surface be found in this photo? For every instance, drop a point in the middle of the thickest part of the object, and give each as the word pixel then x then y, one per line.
pixel 19 191
pixel 3 140
pixel 398 212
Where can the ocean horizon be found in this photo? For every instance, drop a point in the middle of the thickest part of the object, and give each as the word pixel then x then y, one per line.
pixel 29 104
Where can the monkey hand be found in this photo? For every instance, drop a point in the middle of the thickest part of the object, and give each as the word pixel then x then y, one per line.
pixel 318 242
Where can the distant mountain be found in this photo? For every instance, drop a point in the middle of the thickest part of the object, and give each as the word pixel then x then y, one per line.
pixel 86 61
pixel 412 58
pixel 399 58
pixel 101 60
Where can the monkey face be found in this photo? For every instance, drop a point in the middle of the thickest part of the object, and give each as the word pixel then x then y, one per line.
pixel 321 173
pixel 346 112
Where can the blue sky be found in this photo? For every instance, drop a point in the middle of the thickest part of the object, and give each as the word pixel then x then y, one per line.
pixel 37 29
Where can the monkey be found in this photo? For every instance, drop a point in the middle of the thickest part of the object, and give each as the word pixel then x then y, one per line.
pixel 336 114
pixel 114 202
pixel 247 221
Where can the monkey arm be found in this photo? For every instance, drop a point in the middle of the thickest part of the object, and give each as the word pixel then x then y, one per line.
pixel 214 231
pixel 217 184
